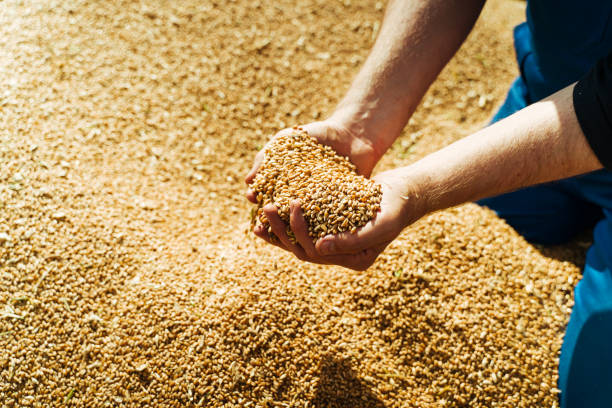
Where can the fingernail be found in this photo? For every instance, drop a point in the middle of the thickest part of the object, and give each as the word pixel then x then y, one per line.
pixel 328 248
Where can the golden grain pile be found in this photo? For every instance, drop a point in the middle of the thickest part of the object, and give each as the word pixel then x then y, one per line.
pixel 333 197
pixel 128 273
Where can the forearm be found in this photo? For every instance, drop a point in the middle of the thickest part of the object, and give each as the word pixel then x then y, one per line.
pixel 540 143
pixel 416 40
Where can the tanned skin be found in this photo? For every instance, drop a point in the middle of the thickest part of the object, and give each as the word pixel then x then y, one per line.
pixel 540 143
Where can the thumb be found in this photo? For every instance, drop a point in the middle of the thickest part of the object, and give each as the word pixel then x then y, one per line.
pixel 351 242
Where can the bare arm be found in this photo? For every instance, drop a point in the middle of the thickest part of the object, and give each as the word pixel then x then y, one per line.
pixel 540 143
pixel 416 40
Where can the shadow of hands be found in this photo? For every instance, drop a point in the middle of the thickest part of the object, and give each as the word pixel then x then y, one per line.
pixel 340 387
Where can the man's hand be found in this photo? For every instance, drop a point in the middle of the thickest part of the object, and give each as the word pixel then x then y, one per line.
pixel 540 143
pixel 372 114
pixel 333 133
pixel 358 250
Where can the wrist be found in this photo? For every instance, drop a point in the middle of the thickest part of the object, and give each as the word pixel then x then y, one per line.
pixel 362 122
pixel 414 198
pixel 407 191
pixel 347 137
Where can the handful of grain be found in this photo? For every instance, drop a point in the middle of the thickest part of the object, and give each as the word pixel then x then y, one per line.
pixel 333 197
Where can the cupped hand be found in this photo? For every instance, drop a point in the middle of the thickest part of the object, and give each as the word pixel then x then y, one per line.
pixel 399 208
pixel 333 133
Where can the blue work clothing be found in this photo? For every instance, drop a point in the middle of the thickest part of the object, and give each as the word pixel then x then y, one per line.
pixel 558 44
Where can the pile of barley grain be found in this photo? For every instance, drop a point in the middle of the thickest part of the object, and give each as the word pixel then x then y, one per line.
pixel 333 197
pixel 126 277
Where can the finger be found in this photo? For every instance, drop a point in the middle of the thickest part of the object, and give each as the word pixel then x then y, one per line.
pixel 279 228
pixel 352 242
pixel 359 261
pixel 251 196
pixel 300 229
pixel 260 231
pixel 256 164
